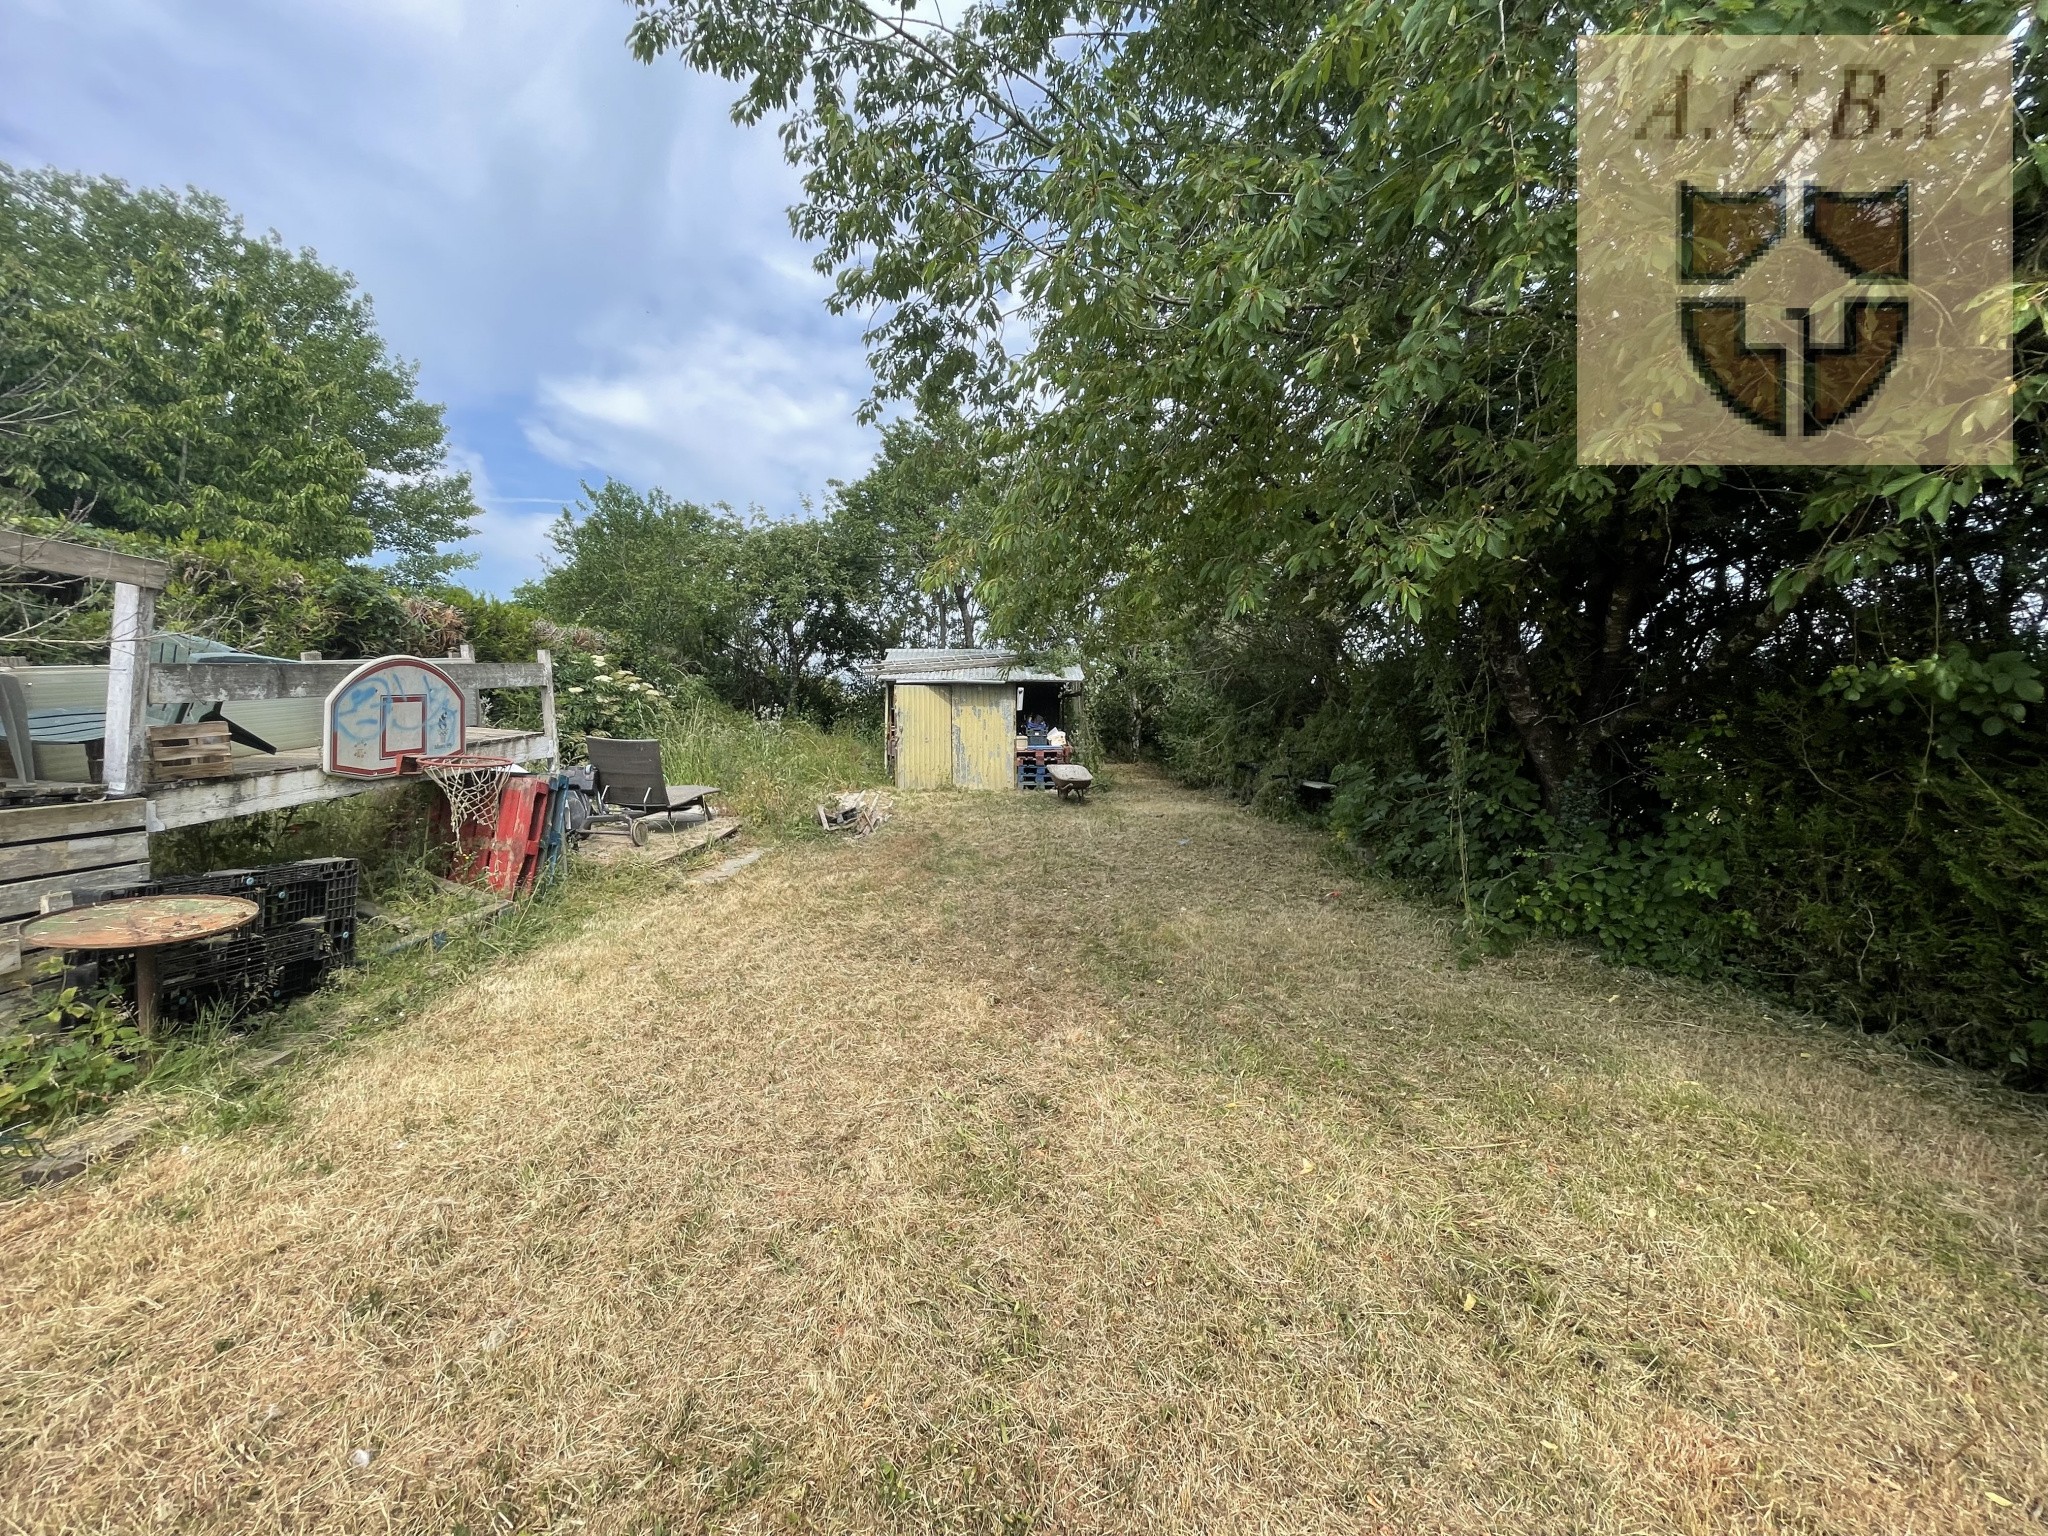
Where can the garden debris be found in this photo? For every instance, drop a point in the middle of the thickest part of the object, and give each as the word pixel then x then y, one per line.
pixel 484 908
pixel 661 849
pixel 857 811
pixel 110 1136
pixel 728 869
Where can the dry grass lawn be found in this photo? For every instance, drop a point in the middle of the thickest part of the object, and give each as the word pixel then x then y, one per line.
pixel 1027 1167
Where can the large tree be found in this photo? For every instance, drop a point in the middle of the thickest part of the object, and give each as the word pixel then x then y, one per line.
pixel 922 517
pixel 646 567
pixel 1286 295
pixel 191 379
pixel 769 613
pixel 803 602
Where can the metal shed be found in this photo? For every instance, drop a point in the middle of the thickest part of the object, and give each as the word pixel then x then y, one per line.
pixel 953 716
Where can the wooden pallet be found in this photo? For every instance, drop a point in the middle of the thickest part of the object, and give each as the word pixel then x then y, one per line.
pixel 200 750
pixel 54 850
pixel 50 856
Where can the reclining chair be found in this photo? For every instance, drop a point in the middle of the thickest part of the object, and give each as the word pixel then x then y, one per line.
pixel 631 786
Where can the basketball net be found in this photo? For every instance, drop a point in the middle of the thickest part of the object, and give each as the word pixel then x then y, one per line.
pixel 472 784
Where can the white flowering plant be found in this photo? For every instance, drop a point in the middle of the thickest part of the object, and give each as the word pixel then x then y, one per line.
pixel 596 693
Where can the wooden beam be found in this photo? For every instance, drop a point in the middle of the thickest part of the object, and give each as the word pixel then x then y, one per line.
pixel 472 699
pixel 545 660
pixel 83 818
pixel 25 897
pixel 204 800
pixel 27 551
pixel 126 768
pixel 27 861
pixel 18 983
pixel 203 682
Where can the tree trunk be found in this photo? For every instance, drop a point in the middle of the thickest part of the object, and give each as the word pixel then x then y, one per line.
pixel 1548 745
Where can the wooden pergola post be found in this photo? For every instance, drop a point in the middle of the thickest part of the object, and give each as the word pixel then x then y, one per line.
pixel 547 701
pixel 136 583
pixel 126 770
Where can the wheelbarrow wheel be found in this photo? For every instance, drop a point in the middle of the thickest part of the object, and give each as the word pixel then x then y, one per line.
pixel 576 814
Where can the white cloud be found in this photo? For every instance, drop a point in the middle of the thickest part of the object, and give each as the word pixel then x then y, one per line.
pixel 724 415
pixel 590 262
pixel 511 536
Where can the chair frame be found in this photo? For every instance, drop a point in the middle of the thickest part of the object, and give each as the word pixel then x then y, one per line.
pixel 632 816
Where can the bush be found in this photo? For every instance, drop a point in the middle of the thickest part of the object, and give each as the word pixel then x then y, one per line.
pixel 1864 846
pixel 75 1057
pixel 257 601
pixel 498 630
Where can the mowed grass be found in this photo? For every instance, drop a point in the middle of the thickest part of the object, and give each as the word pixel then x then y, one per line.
pixel 1030 1167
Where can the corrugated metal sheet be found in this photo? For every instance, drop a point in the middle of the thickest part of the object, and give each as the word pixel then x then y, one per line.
pixel 924 742
pixel 984 740
pixel 966 666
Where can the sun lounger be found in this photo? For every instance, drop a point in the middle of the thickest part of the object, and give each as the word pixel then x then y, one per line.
pixel 631 785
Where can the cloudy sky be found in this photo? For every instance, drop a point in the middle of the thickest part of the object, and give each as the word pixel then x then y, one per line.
pixel 589 262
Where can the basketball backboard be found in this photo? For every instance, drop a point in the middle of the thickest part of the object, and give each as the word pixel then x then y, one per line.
pixel 388 710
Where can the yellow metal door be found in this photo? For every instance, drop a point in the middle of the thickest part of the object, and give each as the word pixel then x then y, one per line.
pixel 984 738
pixel 924 736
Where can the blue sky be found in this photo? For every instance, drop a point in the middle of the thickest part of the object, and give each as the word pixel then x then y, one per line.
pixel 590 263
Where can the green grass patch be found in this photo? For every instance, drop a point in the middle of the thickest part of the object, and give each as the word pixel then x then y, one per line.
pixel 774 771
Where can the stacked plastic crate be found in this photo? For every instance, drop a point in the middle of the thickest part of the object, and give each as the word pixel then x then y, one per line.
pixel 307 927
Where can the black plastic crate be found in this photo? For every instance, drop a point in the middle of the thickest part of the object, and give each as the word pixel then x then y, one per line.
pixel 322 889
pixel 307 927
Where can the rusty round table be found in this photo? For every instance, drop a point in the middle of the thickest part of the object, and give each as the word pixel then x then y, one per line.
pixel 143 924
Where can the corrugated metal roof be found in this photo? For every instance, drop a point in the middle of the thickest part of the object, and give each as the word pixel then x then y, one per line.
pixel 965 666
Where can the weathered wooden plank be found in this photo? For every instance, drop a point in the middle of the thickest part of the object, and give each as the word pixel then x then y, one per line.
pixel 546 662
pixel 37 968
pixel 202 682
pixel 191 803
pixel 28 861
pixel 25 897
pixel 126 756
pixel 78 818
pixel 728 869
pixel 198 733
pixel 113 1135
pixel 28 551
pixel 177 773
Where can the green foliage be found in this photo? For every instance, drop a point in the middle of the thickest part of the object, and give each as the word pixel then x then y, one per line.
pixel 163 371
pixel 799 615
pixel 389 832
pixel 1275 307
pixel 643 568
pixel 259 601
pixel 499 630
pixel 768 614
pixel 1961 697
pixel 1803 847
pixel 920 519
pixel 598 695
pixel 74 1057
pixel 775 769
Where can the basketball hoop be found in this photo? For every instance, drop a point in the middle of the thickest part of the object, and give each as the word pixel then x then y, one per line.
pixel 472 783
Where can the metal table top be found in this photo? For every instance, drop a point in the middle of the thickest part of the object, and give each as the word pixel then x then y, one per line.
pixel 140 922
